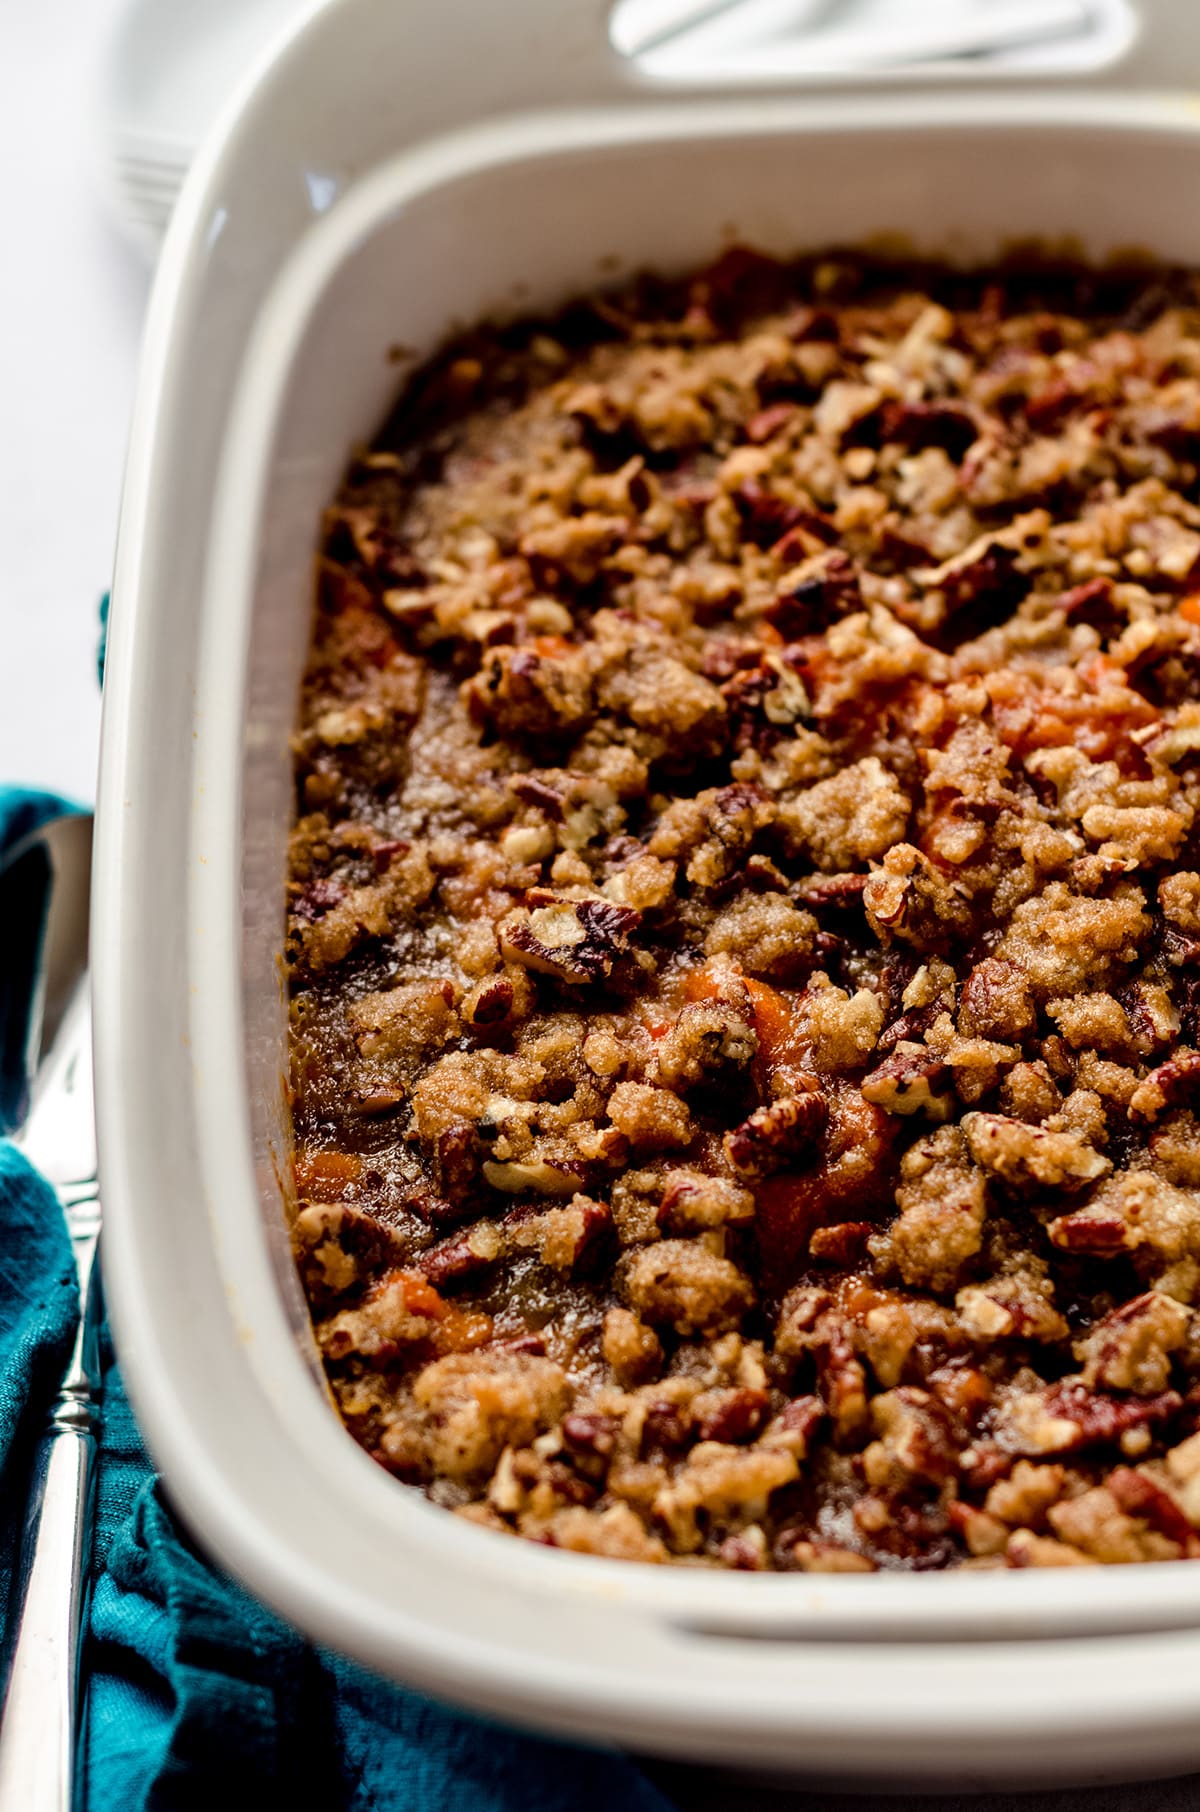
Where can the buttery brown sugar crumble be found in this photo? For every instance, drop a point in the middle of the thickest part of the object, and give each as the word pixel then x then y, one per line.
pixel 744 923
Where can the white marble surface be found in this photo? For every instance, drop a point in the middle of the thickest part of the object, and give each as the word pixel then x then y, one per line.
pixel 72 297
pixel 71 303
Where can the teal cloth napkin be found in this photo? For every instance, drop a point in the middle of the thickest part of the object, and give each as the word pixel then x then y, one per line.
pixel 198 1697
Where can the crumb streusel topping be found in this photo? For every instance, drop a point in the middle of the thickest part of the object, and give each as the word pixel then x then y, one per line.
pixel 744 923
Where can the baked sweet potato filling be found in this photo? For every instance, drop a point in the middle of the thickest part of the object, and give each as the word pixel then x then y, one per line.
pixel 744 923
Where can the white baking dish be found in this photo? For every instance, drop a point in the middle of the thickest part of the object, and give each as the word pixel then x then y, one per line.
pixel 392 173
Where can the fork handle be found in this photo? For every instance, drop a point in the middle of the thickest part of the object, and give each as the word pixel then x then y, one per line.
pixel 41 1721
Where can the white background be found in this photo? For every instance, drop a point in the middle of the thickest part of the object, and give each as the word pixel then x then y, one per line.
pixel 71 302
pixel 72 296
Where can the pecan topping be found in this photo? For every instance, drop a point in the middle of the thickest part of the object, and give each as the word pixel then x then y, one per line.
pixel 815 595
pixel 728 1415
pixel 842 892
pixel 996 1002
pixel 744 923
pixel 910 1081
pixel 1177 1079
pixel 1090 1233
pixel 459 1154
pixel 590 1433
pixel 489 1003
pixel 917 425
pixel 709 1040
pixel 464 1258
pixel 1139 1495
pixel 1131 1348
pixel 1070 1416
pixel 773 1137
pixel 840 1245
pixel 577 941
pixel 531 789
pixel 1022 1155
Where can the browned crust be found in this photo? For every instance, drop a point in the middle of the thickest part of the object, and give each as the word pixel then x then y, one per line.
pixel 745 923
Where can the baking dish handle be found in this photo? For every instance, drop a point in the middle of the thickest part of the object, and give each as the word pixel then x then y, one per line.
pixel 564 48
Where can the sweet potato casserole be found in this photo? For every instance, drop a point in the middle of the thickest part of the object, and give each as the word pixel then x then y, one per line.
pixel 744 923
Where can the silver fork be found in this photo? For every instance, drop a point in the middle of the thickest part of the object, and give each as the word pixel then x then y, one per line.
pixel 149 175
pixel 44 888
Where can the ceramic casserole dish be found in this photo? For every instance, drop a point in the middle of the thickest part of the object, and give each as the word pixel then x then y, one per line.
pixel 389 175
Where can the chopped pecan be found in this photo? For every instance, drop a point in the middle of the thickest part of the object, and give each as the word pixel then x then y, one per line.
pixel 910 1028
pixel 337 1245
pixel 761 875
pixel 820 591
pixel 522 1343
pixel 964 1389
pixel 795 1426
pixel 1089 603
pixel 1094 1523
pixel 590 1433
pixel 318 898
pixel 665 1427
pixel 569 1238
pixel 1152 1020
pixel 836 892
pixel 1131 1348
pixel 745 694
pixel 531 789
pixel 821 1556
pixel 766 516
pixel 984 1463
pixel 532 1176
pixel 917 425
pixel 1069 1416
pixel 630 1347
pixel 911 1081
pixel 1090 1233
pixel 435 1210
pixel 577 941
pixel 376 1103
pixel 728 1415
pixel 989 582
pixel 767 422
pixel 844 1244
pixel 525 693
pixel 773 1137
pixel 711 1040
pixel 745 1552
pixel 907 898
pixel 1021 1155
pixel 916 1439
pixel 460 1152
pixel 733 816
pixel 1140 1495
pixel 490 1002
pixel 1176 1080
pixel 1025 1549
pixel 844 1386
pixel 692 1201
pixel 464 1258
pixel 723 657
pixel 802 1320
pixel 996 1002
pixel 982 1534
pixel 1014 1307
